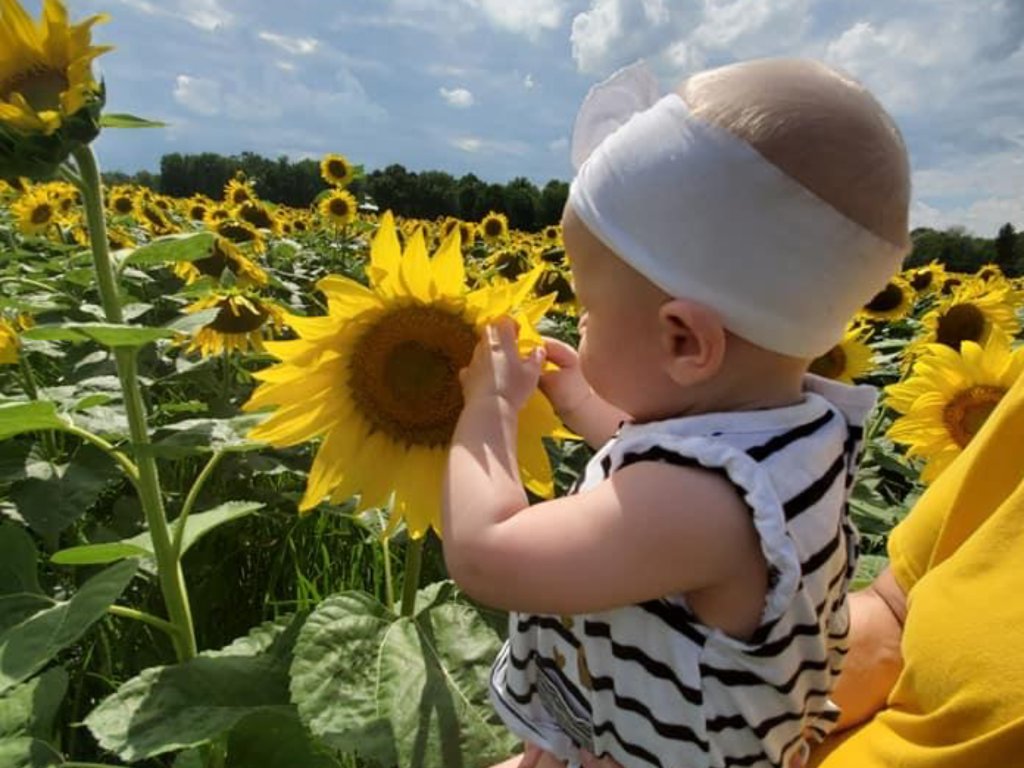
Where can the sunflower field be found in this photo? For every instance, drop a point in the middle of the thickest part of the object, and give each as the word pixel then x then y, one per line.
pixel 222 430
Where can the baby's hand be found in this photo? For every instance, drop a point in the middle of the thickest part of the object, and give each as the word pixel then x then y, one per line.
pixel 497 370
pixel 565 388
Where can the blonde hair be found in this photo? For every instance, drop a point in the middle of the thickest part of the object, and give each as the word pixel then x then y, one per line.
pixel 820 127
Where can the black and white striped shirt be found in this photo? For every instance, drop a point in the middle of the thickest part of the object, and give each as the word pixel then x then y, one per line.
pixel 649 684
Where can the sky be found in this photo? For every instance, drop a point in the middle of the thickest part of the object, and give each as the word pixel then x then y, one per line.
pixel 492 86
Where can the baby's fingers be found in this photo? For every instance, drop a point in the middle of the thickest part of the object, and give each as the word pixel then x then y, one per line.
pixel 560 353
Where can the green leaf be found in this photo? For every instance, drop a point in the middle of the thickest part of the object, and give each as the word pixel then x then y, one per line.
pixel 28 646
pixel 184 247
pixel 868 567
pixel 16 418
pixel 108 334
pixel 124 120
pixel 197 526
pixel 52 502
pixel 194 436
pixel 14 609
pixel 26 752
pixel 191 322
pixel 176 707
pixel 18 557
pixel 399 690
pixel 98 554
pixel 275 739
pixel 29 709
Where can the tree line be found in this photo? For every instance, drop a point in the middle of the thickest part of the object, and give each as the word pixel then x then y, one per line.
pixel 433 194
pixel 425 194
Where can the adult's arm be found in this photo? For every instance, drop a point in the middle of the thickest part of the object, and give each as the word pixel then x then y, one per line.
pixel 874 662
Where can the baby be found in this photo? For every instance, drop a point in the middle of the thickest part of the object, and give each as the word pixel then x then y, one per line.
pixel 685 605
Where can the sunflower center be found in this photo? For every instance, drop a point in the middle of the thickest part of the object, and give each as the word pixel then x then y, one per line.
pixel 237 318
pixel 922 280
pixel 965 414
pixel 886 300
pixel 950 285
pixel 214 264
pixel 236 233
pixel 987 274
pixel 338 207
pixel 40 87
pixel 492 227
pixel 123 205
pixel 197 212
pixel 337 169
pixel 405 373
pixel 831 365
pixel 256 215
pixel 511 264
pixel 42 213
pixel 963 322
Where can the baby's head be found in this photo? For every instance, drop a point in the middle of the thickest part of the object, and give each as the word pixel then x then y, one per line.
pixel 722 238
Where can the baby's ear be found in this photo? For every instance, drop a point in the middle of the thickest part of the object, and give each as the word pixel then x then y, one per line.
pixel 692 340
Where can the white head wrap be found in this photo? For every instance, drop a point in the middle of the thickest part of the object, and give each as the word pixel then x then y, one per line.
pixel 704 216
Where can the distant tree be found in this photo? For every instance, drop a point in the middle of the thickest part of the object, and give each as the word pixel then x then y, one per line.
pixel 1005 245
pixel 552 202
pixel 522 204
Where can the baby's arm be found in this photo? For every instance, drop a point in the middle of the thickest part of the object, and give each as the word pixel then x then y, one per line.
pixel 576 404
pixel 650 530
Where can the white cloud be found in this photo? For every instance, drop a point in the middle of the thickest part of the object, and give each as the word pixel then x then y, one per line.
pixel 528 17
pixel 460 98
pixel 198 94
pixel 207 15
pixel 478 145
pixel 300 46
pixel 528 82
pixel 559 145
pixel 285 66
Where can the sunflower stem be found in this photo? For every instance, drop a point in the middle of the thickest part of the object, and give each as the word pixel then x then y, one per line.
pixel 29 379
pixel 389 584
pixel 172 580
pixel 126 464
pixel 190 501
pixel 145 618
pixel 411 582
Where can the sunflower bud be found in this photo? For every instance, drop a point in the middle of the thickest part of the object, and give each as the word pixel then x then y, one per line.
pixel 49 102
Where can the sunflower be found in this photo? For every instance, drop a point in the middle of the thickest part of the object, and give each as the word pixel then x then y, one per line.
pixel 494 227
pixel 35 211
pixel 238 191
pixel 850 359
pixel 970 314
pixel 555 281
pixel 45 68
pixel 9 342
pixel 989 271
pixel 151 216
pixel 927 278
pixel 338 207
pixel 467 233
pixel 239 233
pixel 552 236
pixel 197 208
pixel 336 170
pixel 121 200
pixel 510 263
pixel 378 379
pixel 949 397
pixel 258 215
pixel 223 255
pixel 240 324
pixel 893 302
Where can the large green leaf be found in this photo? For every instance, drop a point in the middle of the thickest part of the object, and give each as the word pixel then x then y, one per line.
pixel 124 120
pixel 16 418
pixel 29 709
pixel 275 739
pixel 18 557
pixel 196 527
pixel 868 567
pixel 193 436
pixel 108 334
pixel 29 645
pixel 399 690
pixel 50 503
pixel 26 752
pixel 184 705
pixel 185 247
